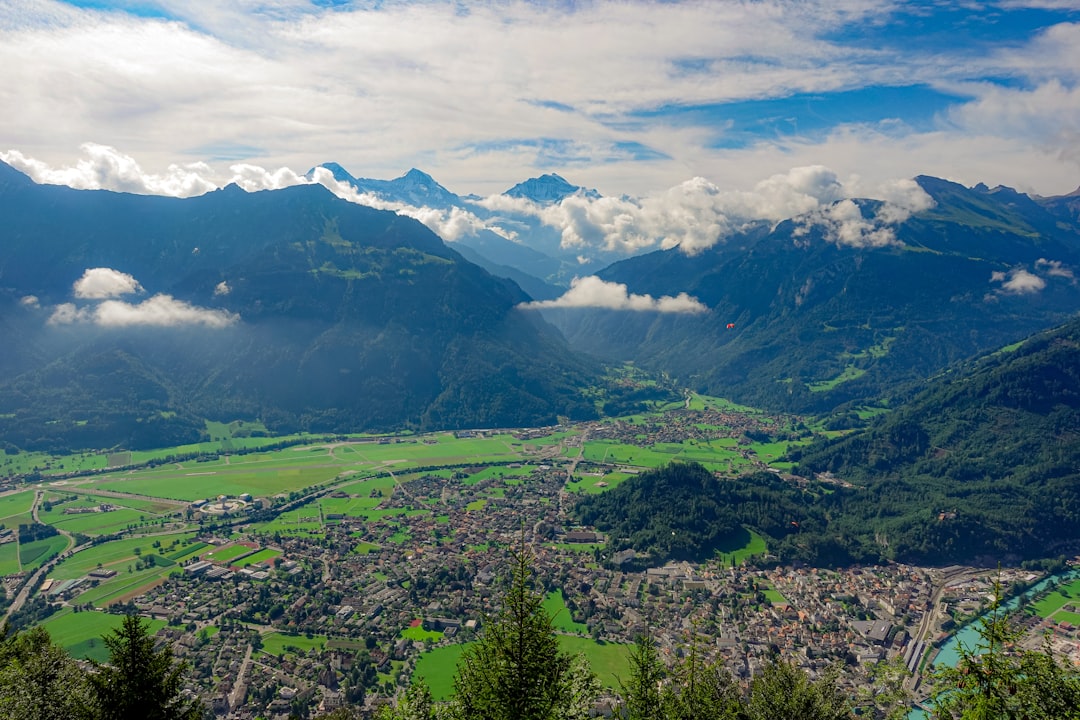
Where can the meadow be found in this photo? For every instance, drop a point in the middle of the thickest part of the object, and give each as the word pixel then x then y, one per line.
pixel 610 662
pixel 80 633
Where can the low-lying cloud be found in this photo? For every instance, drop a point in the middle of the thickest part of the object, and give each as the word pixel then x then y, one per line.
pixel 102 283
pixel 698 214
pixel 1018 282
pixel 161 310
pixel 592 292
pixel 692 216
pixel 1054 268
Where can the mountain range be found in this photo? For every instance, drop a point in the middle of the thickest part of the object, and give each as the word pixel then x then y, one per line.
pixel 799 321
pixel 134 318
pixel 128 319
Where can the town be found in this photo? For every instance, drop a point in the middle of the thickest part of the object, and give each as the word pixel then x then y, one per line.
pixel 345 591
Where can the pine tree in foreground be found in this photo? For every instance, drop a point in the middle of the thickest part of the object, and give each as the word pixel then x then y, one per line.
pixel 139 681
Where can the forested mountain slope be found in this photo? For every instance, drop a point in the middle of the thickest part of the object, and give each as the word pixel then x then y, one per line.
pixel 817 322
pixel 291 306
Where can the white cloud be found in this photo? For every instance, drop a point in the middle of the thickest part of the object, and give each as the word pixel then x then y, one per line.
pixel 697 214
pixel 68 313
pixel 1018 282
pixel 1054 268
pixel 449 224
pixel 592 292
pixel 468 94
pixel 101 283
pixel 30 301
pixel 160 311
pixel 106 167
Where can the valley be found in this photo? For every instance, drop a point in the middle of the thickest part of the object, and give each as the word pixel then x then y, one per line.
pixel 336 569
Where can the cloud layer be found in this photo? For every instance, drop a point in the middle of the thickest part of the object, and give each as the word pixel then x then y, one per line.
pixel 484 94
pixel 592 292
pixel 161 310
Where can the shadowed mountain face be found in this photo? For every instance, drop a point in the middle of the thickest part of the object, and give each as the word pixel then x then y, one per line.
pixel 817 323
pixel 291 305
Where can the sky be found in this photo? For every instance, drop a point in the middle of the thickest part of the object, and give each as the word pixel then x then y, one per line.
pixel 631 98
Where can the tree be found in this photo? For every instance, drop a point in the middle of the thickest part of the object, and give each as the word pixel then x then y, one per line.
pixel 701 691
pixel 783 692
pixel 415 704
pixel 39 681
pixel 641 694
pixel 995 679
pixel 516 670
pixel 139 681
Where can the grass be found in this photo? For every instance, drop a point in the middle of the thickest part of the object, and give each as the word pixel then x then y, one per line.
pixel 97 523
pixel 37 553
pixel 9 558
pixel 228 552
pixel 1059 598
pixel 116 555
pixel 437 668
pixel 363 548
pixel 850 373
pixel 610 662
pixel 18 504
pixel 263 556
pixel 744 546
pixel 418 633
pixel 80 633
pixel 593 485
pixel 774 597
pixel 555 607
pixel 719 454
pixel 277 643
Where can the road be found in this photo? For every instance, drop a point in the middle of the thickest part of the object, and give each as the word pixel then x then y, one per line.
pixel 239 691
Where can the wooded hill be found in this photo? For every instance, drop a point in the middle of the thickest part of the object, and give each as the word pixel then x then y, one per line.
pixel 290 306
pixel 984 464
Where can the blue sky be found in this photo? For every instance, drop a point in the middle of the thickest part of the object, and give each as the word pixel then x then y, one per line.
pixel 628 97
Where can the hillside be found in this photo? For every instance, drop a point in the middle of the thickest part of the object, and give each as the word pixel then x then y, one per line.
pixel 986 458
pixel 982 465
pixel 817 323
pixel 290 306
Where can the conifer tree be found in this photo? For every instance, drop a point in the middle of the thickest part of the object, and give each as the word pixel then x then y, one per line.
pixel 641 694
pixel 39 681
pixel 516 670
pixel 998 679
pixel 139 681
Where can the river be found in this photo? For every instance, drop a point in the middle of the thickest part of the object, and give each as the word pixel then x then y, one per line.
pixel 968 636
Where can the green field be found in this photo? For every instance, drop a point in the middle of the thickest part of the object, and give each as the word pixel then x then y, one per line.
pixel 720 454
pixel 592 484
pixel 263 556
pixel 419 634
pixel 9 558
pixel 437 668
pixel 37 553
pixel 1053 602
pixel 116 555
pixel 16 505
pixel 227 552
pixel 743 547
pixel 97 523
pixel 555 607
pixel 80 633
pixel 774 597
pixel 277 643
pixel 610 662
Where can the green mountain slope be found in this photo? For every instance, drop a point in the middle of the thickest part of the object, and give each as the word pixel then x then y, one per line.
pixel 817 324
pixel 983 465
pixel 342 318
